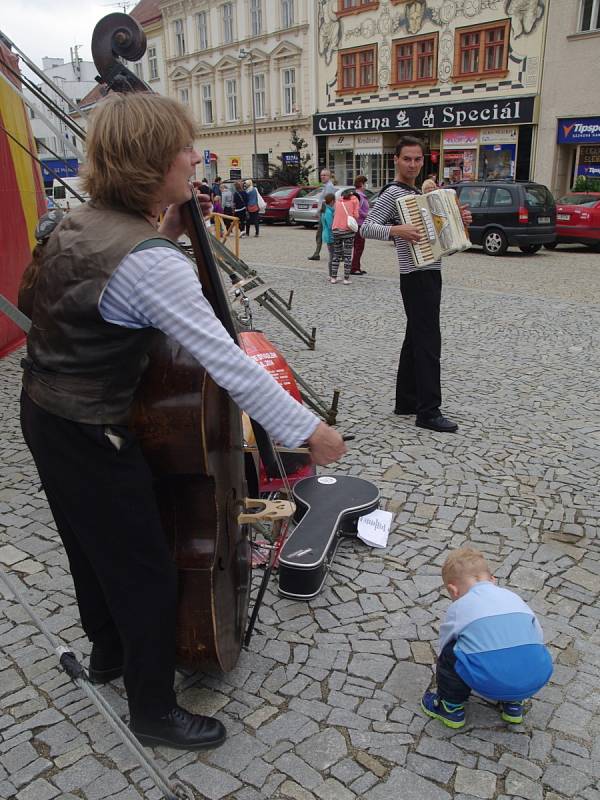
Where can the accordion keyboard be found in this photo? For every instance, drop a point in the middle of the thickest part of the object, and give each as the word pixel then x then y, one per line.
pixel 422 251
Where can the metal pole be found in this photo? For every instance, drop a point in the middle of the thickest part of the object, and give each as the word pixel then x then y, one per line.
pixel 255 165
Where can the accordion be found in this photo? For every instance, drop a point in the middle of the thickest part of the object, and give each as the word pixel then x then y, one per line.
pixel 437 214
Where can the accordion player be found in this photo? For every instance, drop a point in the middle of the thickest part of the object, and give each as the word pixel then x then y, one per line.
pixel 438 216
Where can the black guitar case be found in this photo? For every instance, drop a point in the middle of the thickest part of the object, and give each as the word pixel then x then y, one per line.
pixel 327 507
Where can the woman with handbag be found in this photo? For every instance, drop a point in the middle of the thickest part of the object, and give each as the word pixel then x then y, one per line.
pixel 252 206
pixel 345 225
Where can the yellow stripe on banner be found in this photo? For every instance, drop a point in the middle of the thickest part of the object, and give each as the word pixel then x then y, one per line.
pixel 15 121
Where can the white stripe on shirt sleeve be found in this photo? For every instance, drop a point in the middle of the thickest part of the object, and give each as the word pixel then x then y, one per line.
pixel 159 288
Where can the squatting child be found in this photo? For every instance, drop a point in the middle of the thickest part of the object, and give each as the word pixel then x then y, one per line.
pixel 490 642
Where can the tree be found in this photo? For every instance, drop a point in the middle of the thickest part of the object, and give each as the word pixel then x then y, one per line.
pixel 294 166
pixel 585 184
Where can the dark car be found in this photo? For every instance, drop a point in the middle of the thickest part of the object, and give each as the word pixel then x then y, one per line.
pixel 578 220
pixel 279 202
pixel 509 213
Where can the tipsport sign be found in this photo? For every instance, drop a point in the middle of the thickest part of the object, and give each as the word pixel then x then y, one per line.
pixel 579 130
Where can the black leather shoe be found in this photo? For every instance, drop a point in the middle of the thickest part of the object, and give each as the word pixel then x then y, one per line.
pixel 105 665
pixel 402 410
pixel 181 730
pixel 314 258
pixel 440 424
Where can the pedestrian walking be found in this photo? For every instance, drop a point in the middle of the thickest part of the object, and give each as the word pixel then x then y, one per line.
pixel 240 201
pixel 359 242
pixel 327 187
pixel 345 225
pixel 252 206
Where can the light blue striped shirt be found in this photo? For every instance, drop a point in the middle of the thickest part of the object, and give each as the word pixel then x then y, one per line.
pixel 159 288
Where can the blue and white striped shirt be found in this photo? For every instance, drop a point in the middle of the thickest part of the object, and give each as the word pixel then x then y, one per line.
pixel 159 288
pixel 379 222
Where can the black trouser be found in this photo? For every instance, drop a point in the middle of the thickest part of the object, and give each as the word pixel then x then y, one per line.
pixel 450 686
pixel 103 503
pixel 252 219
pixel 418 380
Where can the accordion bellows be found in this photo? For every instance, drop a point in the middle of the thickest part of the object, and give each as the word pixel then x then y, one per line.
pixel 437 214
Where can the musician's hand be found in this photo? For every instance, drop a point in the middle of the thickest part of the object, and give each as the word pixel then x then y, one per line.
pixel 410 233
pixel 172 224
pixel 466 215
pixel 325 445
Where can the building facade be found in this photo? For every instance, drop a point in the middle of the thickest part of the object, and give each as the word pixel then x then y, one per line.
pixel 569 140
pixel 219 55
pixel 463 76
pixel 57 145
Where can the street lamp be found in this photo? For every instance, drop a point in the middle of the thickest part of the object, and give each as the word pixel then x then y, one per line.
pixel 242 55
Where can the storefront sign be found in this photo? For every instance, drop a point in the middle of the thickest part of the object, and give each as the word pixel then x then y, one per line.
pixel 235 162
pixel 467 137
pixel 579 130
pixel 368 143
pixel 498 135
pixel 291 158
pixel 448 115
pixel 64 169
pixel 589 170
pixel 341 143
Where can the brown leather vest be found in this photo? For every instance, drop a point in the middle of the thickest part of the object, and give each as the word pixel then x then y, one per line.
pixel 79 366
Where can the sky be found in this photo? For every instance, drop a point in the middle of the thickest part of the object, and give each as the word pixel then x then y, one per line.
pixel 51 27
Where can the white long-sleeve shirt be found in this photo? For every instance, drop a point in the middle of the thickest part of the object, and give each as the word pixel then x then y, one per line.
pixel 159 288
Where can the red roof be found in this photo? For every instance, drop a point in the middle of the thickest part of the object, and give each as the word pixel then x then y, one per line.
pixel 146 11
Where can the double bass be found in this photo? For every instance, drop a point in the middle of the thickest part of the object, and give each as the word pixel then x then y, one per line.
pixel 191 434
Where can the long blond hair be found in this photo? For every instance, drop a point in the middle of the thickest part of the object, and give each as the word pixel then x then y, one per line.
pixel 132 141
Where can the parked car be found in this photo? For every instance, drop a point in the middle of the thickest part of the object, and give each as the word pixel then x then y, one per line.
pixel 62 195
pixel 305 210
pixel 509 213
pixel 578 220
pixel 279 203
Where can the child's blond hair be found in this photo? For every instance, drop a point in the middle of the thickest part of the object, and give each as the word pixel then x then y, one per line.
pixel 466 562
pixel 429 185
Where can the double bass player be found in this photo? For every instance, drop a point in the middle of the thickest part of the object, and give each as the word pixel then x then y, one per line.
pixel 102 295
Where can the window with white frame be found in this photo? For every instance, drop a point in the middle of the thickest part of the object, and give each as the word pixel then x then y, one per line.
pixel 287 13
pixel 260 97
pixel 289 90
pixel 138 68
pixel 152 63
pixel 590 15
pixel 231 99
pixel 207 104
pixel 256 17
pixel 179 37
pixel 227 13
pixel 202 28
pixel 184 97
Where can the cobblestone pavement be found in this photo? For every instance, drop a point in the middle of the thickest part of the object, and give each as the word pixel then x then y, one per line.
pixel 325 703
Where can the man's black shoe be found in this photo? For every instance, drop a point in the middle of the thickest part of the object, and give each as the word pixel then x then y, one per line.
pixel 402 410
pixel 314 258
pixel 105 665
pixel 440 424
pixel 181 730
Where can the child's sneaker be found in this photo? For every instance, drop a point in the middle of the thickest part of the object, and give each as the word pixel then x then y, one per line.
pixel 347 281
pixel 512 711
pixel 332 280
pixel 451 714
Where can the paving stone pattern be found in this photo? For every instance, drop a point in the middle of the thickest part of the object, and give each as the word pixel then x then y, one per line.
pixel 325 704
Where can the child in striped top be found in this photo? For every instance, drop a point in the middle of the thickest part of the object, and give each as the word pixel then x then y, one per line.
pixel 490 642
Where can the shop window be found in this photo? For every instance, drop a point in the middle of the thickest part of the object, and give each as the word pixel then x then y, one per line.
pixel 415 60
pixel 590 15
pixel 357 69
pixel 482 51
pixel 346 7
